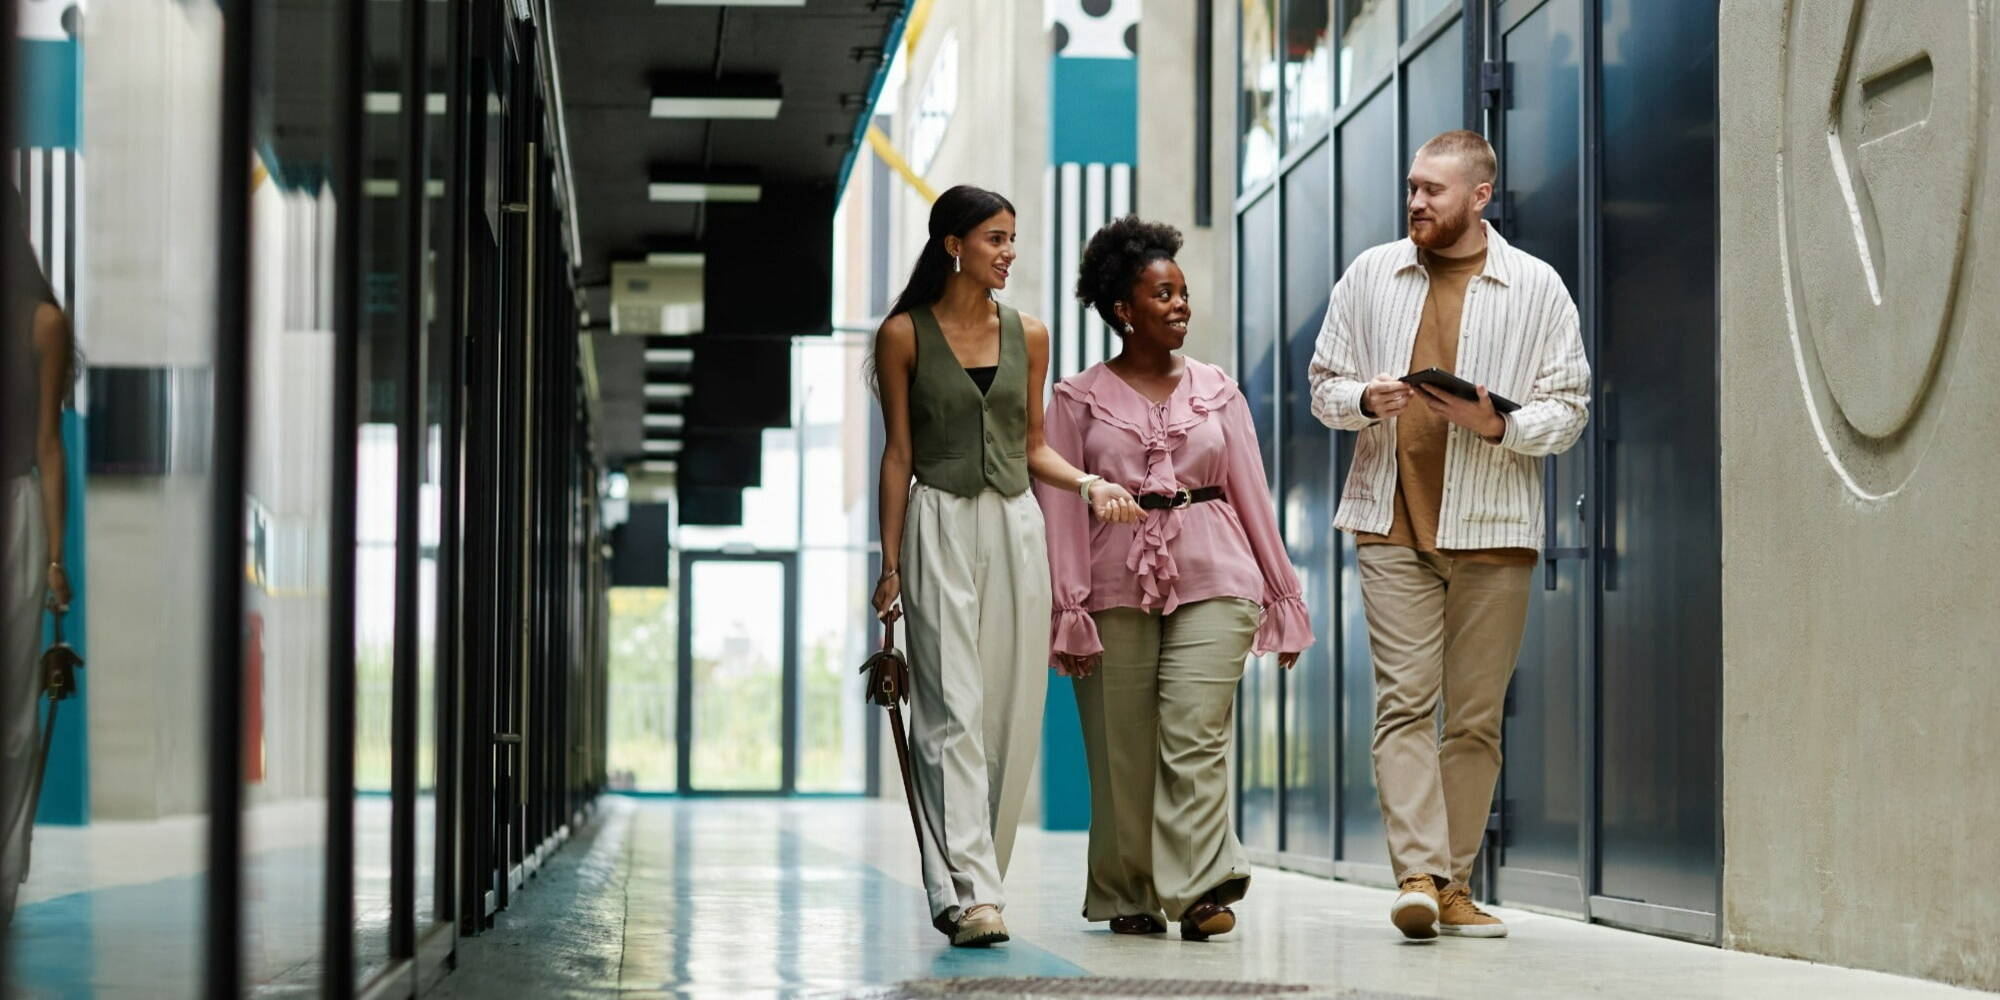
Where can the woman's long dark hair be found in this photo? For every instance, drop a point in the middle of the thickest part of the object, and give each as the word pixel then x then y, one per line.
pixel 955 213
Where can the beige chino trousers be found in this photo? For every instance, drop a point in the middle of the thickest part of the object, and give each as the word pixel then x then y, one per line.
pixel 1156 733
pixel 976 594
pixel 1440 629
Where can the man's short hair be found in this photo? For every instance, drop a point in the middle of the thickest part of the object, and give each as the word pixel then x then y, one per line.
pixel 1470 147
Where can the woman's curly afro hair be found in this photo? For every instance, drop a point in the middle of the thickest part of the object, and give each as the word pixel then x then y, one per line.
pixel 1115 258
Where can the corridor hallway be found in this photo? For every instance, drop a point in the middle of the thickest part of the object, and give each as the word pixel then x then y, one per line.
pixel 819 898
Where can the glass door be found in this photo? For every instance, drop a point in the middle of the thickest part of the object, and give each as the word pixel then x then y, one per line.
pixel 1539 207
pixel 737 698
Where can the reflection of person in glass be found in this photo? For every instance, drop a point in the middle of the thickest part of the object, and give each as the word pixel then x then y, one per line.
pixel 961 383
pixel 35 372
pixel 1154 620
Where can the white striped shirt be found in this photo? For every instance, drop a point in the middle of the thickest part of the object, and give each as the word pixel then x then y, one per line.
pixel 1518 336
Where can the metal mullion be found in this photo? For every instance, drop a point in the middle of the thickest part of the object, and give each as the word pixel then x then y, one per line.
pixel 1514 17
pixel 1276 474
pixel 1590 280
pixel 684 677
pixel 223 885
pixel 451 578
pixel 1337 647
pixel 1305 148
pixel 1341 114
pixel 1365 93
pixel 1422 38
pixel 409 470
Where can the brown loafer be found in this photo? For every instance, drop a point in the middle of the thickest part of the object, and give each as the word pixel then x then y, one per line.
pixel 1205 920
pixel 1138 923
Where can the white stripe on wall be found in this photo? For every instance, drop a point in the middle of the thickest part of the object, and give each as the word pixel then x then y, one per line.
pixel 1069 208
pixel 1084 197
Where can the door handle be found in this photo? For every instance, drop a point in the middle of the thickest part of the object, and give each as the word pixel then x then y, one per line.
pixel 1608 541
pixel 1551 553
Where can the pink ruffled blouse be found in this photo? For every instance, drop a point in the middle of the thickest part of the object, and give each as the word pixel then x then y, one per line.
pixel 1201 436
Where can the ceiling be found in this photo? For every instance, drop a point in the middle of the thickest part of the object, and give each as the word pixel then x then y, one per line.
pixel 615 57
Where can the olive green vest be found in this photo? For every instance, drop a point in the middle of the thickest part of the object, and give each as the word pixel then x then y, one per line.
pixel 963 442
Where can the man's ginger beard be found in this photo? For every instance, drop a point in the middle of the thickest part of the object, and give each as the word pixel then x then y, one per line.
pixel 1436 233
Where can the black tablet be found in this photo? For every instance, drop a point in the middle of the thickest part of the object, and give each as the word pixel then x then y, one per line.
pixel 1458 387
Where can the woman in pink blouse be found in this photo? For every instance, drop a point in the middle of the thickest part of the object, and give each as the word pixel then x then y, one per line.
pixel 1153 620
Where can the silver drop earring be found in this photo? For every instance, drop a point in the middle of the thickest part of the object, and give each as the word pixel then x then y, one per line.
pixel 1128 329
pixel 954 263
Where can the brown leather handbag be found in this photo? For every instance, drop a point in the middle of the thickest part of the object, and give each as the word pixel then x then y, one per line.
pixel 888 676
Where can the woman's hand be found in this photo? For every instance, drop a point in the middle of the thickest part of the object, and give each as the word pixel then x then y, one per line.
pixel 1288 660
pixel 1113 504
pixel 59 594
pixel 888 590
pixel 1072 665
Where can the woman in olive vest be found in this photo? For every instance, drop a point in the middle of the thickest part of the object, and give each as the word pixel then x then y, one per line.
pixel 960 378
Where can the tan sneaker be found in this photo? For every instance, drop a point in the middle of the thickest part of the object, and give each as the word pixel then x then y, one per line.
pixel 1459 916
pixel 1415 911
pixel 978 927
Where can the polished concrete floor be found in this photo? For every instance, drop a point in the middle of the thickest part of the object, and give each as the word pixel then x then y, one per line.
pixel 114 909
pixel 745 898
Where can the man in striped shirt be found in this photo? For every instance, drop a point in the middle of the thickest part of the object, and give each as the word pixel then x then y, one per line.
pixel 1444 499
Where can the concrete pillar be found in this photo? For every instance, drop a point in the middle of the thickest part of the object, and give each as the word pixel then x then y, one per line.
pixel 1167 152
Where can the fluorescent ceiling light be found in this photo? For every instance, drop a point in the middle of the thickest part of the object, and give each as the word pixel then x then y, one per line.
pixel 670 355
pixel 390 102
pixel 389 187
pixel 704 191
pixel 730 3
pixel 693 258
pixel 717 107
pixel 666 421
pixel 659 465
pixel 663 447
pixel 668 390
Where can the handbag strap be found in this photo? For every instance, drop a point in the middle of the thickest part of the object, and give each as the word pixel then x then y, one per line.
pixel 889 633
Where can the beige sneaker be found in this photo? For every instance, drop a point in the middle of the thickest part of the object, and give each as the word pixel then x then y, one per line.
pixel 978 927
pixel 1459 916
pixel 1415 911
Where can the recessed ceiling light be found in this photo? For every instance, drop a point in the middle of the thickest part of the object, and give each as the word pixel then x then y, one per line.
pixel 390 102
pixel 693 258
pixel 704 191
pixel 669 355
pixel 659 465
pixel 665 421
pixel 717 107
pixel 668 390
pixel 663 447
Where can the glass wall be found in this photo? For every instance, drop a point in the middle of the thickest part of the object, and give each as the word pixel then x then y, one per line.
pixel 1588 819
pixel 1257 707
pixel 1308 55
pixel 1257 108
pixel 119 499
pixel 238 246
pixel 295 215
pixel 1307 793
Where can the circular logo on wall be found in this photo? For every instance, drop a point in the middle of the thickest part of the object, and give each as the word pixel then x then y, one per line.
pixel 1877 183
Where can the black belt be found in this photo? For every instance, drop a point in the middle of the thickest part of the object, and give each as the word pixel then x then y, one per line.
pixel 1179 498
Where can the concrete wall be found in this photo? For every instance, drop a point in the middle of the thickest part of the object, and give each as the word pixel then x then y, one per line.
pixel 997 138
pixel 1861 569
pixel 1167 74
